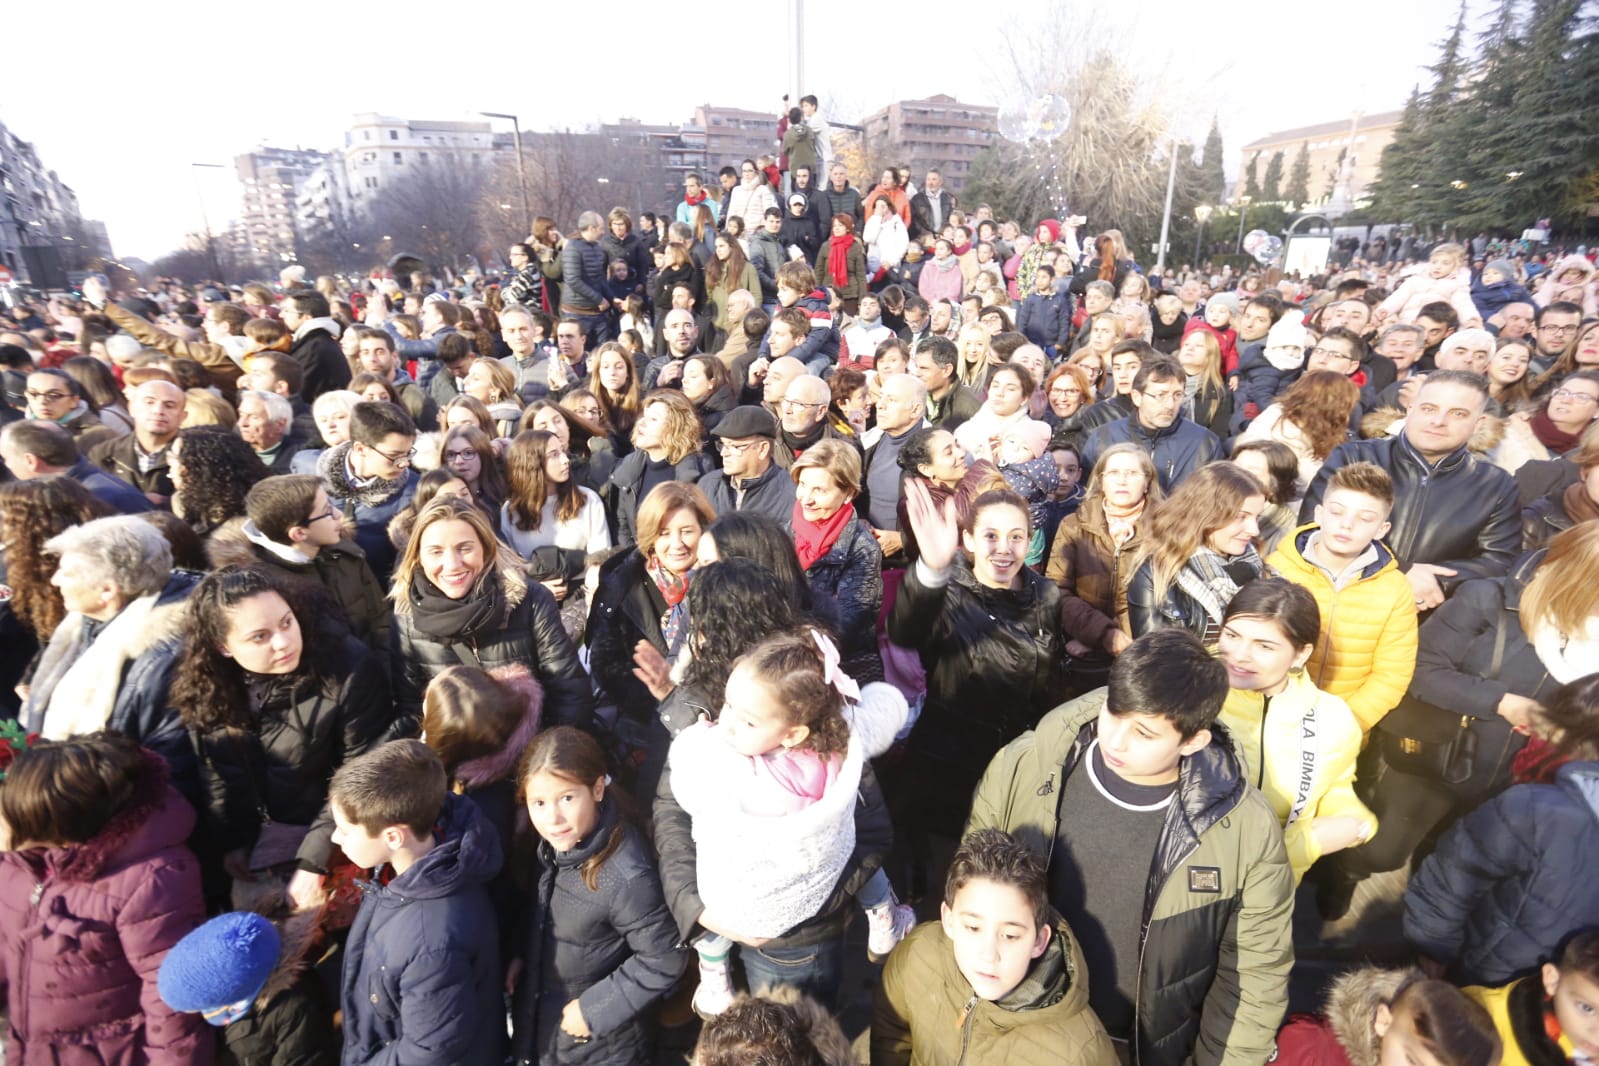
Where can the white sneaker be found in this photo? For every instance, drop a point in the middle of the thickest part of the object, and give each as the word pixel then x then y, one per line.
pixel 715 993
pixel 886 926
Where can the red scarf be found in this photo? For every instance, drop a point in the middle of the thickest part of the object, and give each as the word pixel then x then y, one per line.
pixel 812 540
pixel 1551 436
pixel 962 249
pixel 695 201
pixel 838 258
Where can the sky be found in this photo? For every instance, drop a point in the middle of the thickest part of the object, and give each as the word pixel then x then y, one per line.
pixel 122 112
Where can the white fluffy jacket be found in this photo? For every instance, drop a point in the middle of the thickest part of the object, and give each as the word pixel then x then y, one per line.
pixel 763 876
pixel 1420 289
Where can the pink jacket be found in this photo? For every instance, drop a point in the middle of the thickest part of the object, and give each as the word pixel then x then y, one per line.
pixel 935 284
pixel 83 930
pixel 1421 288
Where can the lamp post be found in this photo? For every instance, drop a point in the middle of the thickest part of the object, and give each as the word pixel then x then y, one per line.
pixel 205 218
pixel 521 174
pixel 1243 213
pixel 1202 216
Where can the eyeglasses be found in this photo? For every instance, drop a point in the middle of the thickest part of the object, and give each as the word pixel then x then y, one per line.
pixel 733 447
pixel 402 459
pixel 329 513
pixel 1332 353
pixel 1558 329
pixel 1064 394
pixel 798 404
pixel 48 397
pixel 451 456
pixel 1572 394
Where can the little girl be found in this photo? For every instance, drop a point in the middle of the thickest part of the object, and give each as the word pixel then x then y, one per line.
pixel 1375 1016
pixel 600 947
pixel 770 788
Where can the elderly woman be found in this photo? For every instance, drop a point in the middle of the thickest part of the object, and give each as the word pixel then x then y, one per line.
pixel 460 599
pixel 840 556
pixel 331 412
pixel 122 598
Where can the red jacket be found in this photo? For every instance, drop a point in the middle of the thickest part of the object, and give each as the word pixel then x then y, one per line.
pixel 83 930
pixel 1227 338
pixel 1307 1040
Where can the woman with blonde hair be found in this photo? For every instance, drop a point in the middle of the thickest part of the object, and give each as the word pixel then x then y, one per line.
pixel 1207 401
pixel 206 408
pixel 1200 552
pixel 972 366
pixel 666 447
pixel 493 384
pixel 1312 419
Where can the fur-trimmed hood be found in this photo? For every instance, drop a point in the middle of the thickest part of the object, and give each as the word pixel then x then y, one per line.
pixel 488 769
pixel 332 468
pixel 1352 1004
pixel 1385 422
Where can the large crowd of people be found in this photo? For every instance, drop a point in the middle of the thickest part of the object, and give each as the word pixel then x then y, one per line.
pixel 412 669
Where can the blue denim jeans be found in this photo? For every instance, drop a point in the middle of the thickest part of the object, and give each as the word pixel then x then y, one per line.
pixel 815 969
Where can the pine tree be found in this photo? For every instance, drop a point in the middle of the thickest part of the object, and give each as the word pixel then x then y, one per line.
pixel 1213 177
pixel 1271 187
pixel 1298 190
pixel 1556 144
pixel 1393 196
pixel 1252 178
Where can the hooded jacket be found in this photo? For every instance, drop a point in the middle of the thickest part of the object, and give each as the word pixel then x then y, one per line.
pixel 421 977
pixel 83 930
pixel 1366 653
pixel 1510 880
pixel 1177 451
pixel 316 348
pixel 924 1012
pixel 1344 1034
pixel 614 949
pixel 291 1021
pixel 1459 512
pixel 1218 904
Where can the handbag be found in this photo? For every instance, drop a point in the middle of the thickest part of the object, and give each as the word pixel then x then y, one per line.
pixel 1426 741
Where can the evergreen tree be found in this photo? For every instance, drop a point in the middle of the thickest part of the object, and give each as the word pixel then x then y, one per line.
pixel 1298 190
pixel 1252 178
pixel 1271 187
pixel 1213 185
pixel 1393 196
pixel 1555 144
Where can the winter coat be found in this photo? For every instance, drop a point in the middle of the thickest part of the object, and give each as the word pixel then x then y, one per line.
pixel 1046 320
pixel 1177 451
pixel 924 1012
pixel 674 843
pixel 1510 880
pixel 630 250
pixel 770 494
pixel 749 280
pixel 316 349
pixel 939 282
pixel 851 572
pixel 83 930
pixel 1260 381
pixel 527 632
pixel 898 198
pixel 613 948
pixel 119 495
pixel 847 202
pixel 764 875
pixel 1092 572
pixel 1519 446
pixel 1343 1035
pixel 1216 950
pixel 626 609
pixel 749 201
pixel 279 769
pixel 1177 609
pixel 767 256
pixel 291 1021
pixel 120 459
pixel 1089 272
pixel 340 570
pixel 421 977
pixel 1213 409
pixel 368 508
pixel 622 492
pixel 1298 748
pixel 583 274
pixel 1420 288
pixel 1460 512
pixel 886 240
pixel 1543 520
pixel 1366 653
pixel 855 279
pixel 993 659
pixel 1546 292
pixel 1489 300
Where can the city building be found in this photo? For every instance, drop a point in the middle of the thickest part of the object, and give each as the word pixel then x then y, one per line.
pixel 733 134
pixel 938 132
pixel 379 148
pixel 270 179
pixel 1333 181
pixel 652 162
pixel 43 234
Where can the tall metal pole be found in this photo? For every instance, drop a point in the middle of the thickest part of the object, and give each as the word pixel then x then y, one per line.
pixel 1243 213
pixel 521 171
pixel 799 49
pixel 1165 218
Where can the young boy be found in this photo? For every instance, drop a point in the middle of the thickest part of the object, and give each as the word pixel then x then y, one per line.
pixel 1552 1018
pixel 1046 316
pixel 1367 650
pixel 422 964
pixel 1000 978
pixel 1167 865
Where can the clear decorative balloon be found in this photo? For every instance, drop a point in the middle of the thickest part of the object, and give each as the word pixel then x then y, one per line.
pixel 1269 251
pixel 1039 118
pixel 1254 240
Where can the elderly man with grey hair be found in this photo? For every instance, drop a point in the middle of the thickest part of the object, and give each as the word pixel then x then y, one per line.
pixel 901 411
pixel 99 668
pixel 264 419
pixel 802 418
pixel 583 275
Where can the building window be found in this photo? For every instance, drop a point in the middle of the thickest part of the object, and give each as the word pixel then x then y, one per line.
pixel 394 135
pixel 399 160
pixel 366 135
pixel 422 157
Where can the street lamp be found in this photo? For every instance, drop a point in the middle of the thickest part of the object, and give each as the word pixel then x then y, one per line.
pixel 521 174
pixel 1202 215
pixel 1243 213
pixel 205 219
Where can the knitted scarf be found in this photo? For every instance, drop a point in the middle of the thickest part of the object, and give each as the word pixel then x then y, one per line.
pixel 674 590
pixel 1213 579
pixel 838 258
pixel 696 199
pixel 1123 524
pixel 1551 436
pixel 812 540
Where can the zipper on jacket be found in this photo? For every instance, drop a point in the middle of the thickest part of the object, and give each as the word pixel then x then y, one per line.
pixel 1260 765
pixel 1143 942
pixel 22 996
pixel 966 1032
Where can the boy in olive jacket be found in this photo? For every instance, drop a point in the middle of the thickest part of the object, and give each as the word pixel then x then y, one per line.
pixel 1167 865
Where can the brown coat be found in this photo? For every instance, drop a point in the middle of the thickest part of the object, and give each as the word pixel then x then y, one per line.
pixel 223 370
pixel 1092 575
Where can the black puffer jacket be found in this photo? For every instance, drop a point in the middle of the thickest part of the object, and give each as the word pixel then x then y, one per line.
pixel 993 660
pixel 627 609
pixel 1460 513
pixel 281 768
pixel 1177 609
pixel 319 354
pixel 851 573
pixel 1510 880
pixel 614 949
pixel 1454 654
pixel 1178 450
pixel 630 250
pixel 526 632
pixel 583 272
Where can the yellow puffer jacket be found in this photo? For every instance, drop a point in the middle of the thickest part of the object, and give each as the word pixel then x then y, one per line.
pixel 1367 650
pixel 1303 730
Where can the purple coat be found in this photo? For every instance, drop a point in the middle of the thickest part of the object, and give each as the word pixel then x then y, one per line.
pixel 83 930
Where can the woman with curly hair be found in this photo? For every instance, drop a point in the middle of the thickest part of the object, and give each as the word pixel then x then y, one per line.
pixel 494 385
pixel 613 379
pixel 666 445
pixel 273 706
pixel 468 453
pixel 211 471
pixel 1312 418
